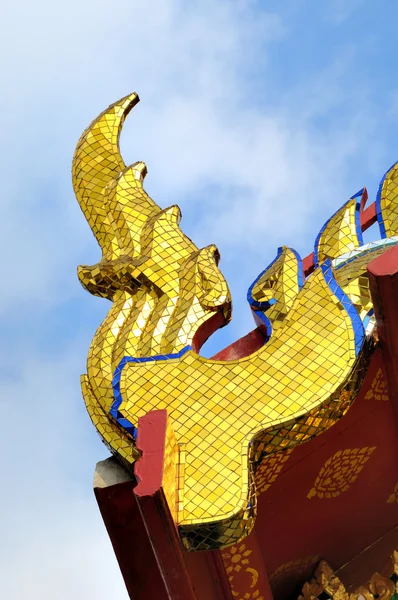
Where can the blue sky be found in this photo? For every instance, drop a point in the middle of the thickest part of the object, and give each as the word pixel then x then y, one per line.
pixel 258 118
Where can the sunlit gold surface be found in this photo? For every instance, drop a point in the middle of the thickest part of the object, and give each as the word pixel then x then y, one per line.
pixel 218 408
pixel 339 234
pixel 225 417
pixel 279 284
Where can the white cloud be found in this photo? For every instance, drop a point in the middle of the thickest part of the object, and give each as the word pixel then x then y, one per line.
pixel 54 544
pixel 64 65
pixel 200 127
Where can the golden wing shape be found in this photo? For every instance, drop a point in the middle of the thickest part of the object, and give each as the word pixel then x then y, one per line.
pixel 227 415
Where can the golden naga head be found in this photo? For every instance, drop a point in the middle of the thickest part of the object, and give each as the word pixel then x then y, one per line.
pixel 168 297
pixel 135 235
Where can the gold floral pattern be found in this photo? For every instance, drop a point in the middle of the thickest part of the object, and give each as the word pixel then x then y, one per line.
pixel 378 390
pixel 393 498
pixel 339 472
pixel 235 559
pixel 269 470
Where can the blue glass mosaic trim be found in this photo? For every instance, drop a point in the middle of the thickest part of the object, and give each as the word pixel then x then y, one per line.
pixel 300 269
pixel 264 305
pixel 265 321
pixel 253 303
pixel 358 228
pixel 357 325
pixel 259 308
pixel 114 410
pixel 369 250
pixel 367 318
pixel 358 216
pixel 379 214
pixel 359 335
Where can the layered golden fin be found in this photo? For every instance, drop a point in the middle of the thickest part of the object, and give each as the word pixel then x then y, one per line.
pixel 340 234
pixel 276 288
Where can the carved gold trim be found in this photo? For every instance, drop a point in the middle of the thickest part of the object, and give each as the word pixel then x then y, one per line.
pixel 325 584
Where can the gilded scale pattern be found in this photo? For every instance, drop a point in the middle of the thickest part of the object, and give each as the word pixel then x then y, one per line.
pixel 226 416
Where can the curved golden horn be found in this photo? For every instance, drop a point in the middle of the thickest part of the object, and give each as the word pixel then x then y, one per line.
pixel 96 163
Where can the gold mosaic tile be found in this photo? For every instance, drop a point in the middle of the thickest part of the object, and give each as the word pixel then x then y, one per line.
pixel 272 294
pixel 163 288
pixel 218 409
pixel 224 417
pixel 340 234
